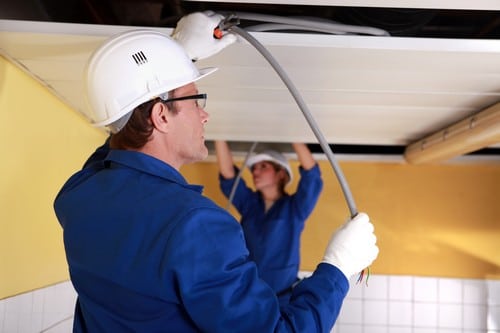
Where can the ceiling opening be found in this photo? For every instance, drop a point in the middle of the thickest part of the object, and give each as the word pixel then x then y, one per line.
pixel 408 22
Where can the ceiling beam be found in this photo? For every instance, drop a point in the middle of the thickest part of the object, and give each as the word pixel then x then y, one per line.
pixel 470 134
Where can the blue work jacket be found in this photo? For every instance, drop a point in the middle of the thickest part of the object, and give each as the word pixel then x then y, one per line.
pixel 147 252
pixel 273 237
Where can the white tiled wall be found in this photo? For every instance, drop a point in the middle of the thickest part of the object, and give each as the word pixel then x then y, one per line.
pixel 48 310
pixel 386 304
pixel 408 304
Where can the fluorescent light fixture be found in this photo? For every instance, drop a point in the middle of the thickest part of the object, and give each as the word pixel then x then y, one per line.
pixel 470 134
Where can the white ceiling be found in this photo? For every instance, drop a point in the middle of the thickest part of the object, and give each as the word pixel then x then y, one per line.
pixel 361 90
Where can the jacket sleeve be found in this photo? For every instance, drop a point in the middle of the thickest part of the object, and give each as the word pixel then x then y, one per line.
pixel 243 195
pixel 222 292
pixel 308 191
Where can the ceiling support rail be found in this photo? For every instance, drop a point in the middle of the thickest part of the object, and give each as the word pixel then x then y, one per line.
pixel 473 133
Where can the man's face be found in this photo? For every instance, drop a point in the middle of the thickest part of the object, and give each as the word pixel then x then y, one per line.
pixel 186 130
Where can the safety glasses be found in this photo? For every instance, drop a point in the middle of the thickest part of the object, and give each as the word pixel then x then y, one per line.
pixel 200 99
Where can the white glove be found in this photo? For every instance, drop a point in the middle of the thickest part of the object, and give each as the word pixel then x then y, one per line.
pixel 352 247
pixel 195 32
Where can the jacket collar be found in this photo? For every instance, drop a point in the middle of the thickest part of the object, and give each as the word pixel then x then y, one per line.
pixel 149 164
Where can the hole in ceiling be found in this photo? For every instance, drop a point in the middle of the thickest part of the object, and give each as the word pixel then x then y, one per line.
pixel 407 22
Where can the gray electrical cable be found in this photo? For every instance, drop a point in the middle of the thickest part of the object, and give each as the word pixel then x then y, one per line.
pixel 317 25
pixel 303 107
pixel 279 26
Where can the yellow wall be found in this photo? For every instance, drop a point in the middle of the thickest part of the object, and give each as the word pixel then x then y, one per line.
pixel 441 220
pixel 42 142
pixel 430 220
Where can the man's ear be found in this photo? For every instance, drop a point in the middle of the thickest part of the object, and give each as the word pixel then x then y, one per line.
pixel 159 117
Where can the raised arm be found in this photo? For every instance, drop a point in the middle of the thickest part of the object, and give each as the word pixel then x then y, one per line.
pixel 304 155
pixel 224 159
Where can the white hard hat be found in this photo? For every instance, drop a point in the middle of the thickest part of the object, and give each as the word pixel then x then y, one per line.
pixel 132 68
pixel 271 156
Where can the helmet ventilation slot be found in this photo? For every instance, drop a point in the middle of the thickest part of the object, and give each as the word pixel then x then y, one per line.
pixel 139 58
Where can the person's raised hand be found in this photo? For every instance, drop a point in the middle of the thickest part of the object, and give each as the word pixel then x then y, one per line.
pixel 195 32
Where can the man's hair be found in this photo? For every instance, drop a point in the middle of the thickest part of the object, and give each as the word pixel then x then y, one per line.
pixel 138 129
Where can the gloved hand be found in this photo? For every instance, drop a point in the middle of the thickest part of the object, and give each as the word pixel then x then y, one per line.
pixel 352 247
pixel 195 32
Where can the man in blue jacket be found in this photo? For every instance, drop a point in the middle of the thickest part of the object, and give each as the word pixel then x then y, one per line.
pixel 147 252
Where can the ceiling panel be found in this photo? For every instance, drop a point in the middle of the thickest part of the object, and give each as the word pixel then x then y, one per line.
pixel 361 90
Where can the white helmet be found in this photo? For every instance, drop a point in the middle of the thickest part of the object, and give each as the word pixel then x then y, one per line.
pixel 132 68
pixel 272 156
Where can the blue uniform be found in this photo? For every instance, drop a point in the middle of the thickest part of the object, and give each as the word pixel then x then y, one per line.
pixel 273 237
pixel 147 252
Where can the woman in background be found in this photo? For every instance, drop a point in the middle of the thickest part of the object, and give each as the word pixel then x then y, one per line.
pixel 272 219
